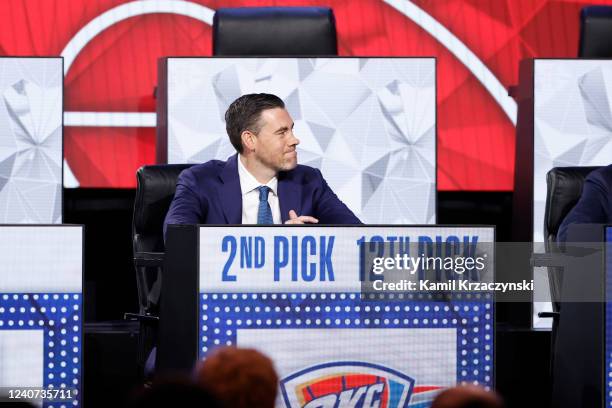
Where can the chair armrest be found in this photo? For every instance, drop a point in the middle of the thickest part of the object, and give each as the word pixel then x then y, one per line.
pixel 549 315
pixel 140 317
pixel 548 259
pixel 149 259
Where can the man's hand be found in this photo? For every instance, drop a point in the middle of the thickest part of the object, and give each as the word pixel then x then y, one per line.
pixel 302 219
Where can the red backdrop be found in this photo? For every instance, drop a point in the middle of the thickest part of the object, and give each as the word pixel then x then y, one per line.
pixel 116 71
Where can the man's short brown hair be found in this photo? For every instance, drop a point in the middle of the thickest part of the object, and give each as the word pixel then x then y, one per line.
pixel 244 114
pixel 239 378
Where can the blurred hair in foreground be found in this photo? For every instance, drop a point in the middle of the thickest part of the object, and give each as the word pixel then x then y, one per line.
pixel 467 396
pixel 239 378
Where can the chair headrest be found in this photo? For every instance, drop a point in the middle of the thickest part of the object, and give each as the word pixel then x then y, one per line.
pixel 564 187
pixel 595 32
pixel 156 186
pixel 268 31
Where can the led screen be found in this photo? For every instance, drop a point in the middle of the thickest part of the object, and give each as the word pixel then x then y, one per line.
pixel 31 140
pixel 572 119
pixel 111 50
pixel 369 124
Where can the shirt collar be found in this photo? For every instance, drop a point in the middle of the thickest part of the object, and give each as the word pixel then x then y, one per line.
pixel 248 182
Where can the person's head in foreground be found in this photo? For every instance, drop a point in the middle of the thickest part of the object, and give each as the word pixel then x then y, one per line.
pixel 467 396
pixel 239 378
pixel 261 130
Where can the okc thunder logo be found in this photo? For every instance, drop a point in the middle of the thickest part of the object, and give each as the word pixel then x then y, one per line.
pixel 350 385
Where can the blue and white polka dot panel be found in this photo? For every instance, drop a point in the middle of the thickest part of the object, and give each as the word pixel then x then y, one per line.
pixel 223 315
pixel 57 318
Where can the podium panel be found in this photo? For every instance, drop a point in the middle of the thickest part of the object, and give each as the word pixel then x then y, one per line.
pixel 296 295
pixel 41 314
pixel 582 375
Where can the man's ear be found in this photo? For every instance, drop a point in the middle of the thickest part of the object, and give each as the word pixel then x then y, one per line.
pixel 248 140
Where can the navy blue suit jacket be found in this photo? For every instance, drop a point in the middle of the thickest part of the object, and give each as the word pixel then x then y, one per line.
pixel 209 193
pixel 595 204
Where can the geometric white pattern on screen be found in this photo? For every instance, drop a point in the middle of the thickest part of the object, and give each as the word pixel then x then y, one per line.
pixel 30 140
pixel 573 121
pixel 367 123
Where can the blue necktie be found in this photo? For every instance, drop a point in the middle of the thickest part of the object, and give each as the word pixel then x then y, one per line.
pixel 264 213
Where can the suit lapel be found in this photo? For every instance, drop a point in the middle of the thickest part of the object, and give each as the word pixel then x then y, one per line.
pixel 231 196
pixel 289 196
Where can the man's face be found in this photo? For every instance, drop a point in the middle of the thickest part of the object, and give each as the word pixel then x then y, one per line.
pixel 275 144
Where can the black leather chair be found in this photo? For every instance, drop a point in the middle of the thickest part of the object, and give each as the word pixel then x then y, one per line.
pixel 595 32
pixel 274 31
pixel 564 187
pixel 155 189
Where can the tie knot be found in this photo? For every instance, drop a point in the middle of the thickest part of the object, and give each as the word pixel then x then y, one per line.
pixel 263 193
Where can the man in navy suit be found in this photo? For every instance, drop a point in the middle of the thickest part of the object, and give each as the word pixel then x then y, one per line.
pixel 595 204
pixel 262 183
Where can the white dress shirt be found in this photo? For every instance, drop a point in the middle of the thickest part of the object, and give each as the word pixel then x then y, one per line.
pixel 250 196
